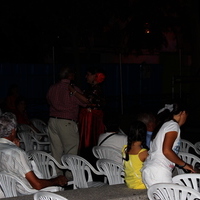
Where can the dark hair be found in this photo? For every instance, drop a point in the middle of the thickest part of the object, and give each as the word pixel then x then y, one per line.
pixel 111 123
pixel 137 133
pixel 167 115
pixel 65 72
pixel 146 117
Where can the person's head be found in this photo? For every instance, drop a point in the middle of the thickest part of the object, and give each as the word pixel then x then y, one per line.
pixel 176 111
pixel 8 125
pixel 148 119
pixel 137 133
pixel 66 73
pixel 95 76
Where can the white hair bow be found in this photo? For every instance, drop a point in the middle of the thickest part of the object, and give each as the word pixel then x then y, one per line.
pixel 167 106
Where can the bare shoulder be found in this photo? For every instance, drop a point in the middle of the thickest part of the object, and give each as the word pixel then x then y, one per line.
pixel 143 155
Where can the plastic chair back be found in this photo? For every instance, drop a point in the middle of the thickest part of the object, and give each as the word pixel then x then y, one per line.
pixel 189 180
pixel 47 196
pixel 40 125
pixel 187 147
pixel 31 142
pixel 27 140
pixel 46 163
pixel 10 183
pixel 112 170
pixel 81 170
pixel 188 158
pixel 197 147
pixel 104 152
pixel 13 186
pixel 171 191
pixel 26 127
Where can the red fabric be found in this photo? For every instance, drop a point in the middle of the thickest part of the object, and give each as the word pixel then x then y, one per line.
pixel 90 127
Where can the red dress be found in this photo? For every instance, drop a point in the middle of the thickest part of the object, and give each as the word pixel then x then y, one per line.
pixel 91 118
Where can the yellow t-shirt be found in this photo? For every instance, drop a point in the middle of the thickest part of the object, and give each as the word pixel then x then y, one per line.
pixel 132 168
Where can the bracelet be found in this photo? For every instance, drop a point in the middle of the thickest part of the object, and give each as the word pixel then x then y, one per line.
pixel 183 165
pixel 74 92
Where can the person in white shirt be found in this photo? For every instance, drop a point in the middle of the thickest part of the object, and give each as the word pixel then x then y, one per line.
pixel 15 160
pixel 113 137
pixel 165 146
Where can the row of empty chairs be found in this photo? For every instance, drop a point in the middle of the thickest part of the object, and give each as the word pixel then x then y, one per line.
pixel 32 140
pixel 81 170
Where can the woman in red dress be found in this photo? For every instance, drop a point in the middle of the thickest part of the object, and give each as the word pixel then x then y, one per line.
pixel 91 117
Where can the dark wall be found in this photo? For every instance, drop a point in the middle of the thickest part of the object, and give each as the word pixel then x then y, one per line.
pixel 126 88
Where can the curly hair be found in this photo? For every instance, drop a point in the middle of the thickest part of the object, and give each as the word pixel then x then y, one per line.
pixel 8 122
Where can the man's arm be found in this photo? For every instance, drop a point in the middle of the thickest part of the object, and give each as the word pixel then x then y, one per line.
pixel 78 95
pixel 38 184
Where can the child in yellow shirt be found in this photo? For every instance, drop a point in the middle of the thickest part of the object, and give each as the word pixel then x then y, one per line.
pixel 134 154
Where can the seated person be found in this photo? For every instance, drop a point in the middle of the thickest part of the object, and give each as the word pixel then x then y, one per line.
pixel 112 137
pixel 134 154
pixel 15 160
pixel 21 113
pixel 149 120
pixel 13 94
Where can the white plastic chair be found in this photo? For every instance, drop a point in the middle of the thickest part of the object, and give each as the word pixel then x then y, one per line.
pixel 107 153
pixel 13 186
pixel 197 147
pixel 40 125
pixel 112 170
pixel 45 163
pixel 81 170
pixel 189 180
pixel 188 158
pixel 47 196
pixel 171 191
pixel 187 147
pixel 31 142
pixel 39 136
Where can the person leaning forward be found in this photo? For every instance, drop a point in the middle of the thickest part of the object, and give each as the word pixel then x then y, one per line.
pixel 14 160
pixel 64 109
